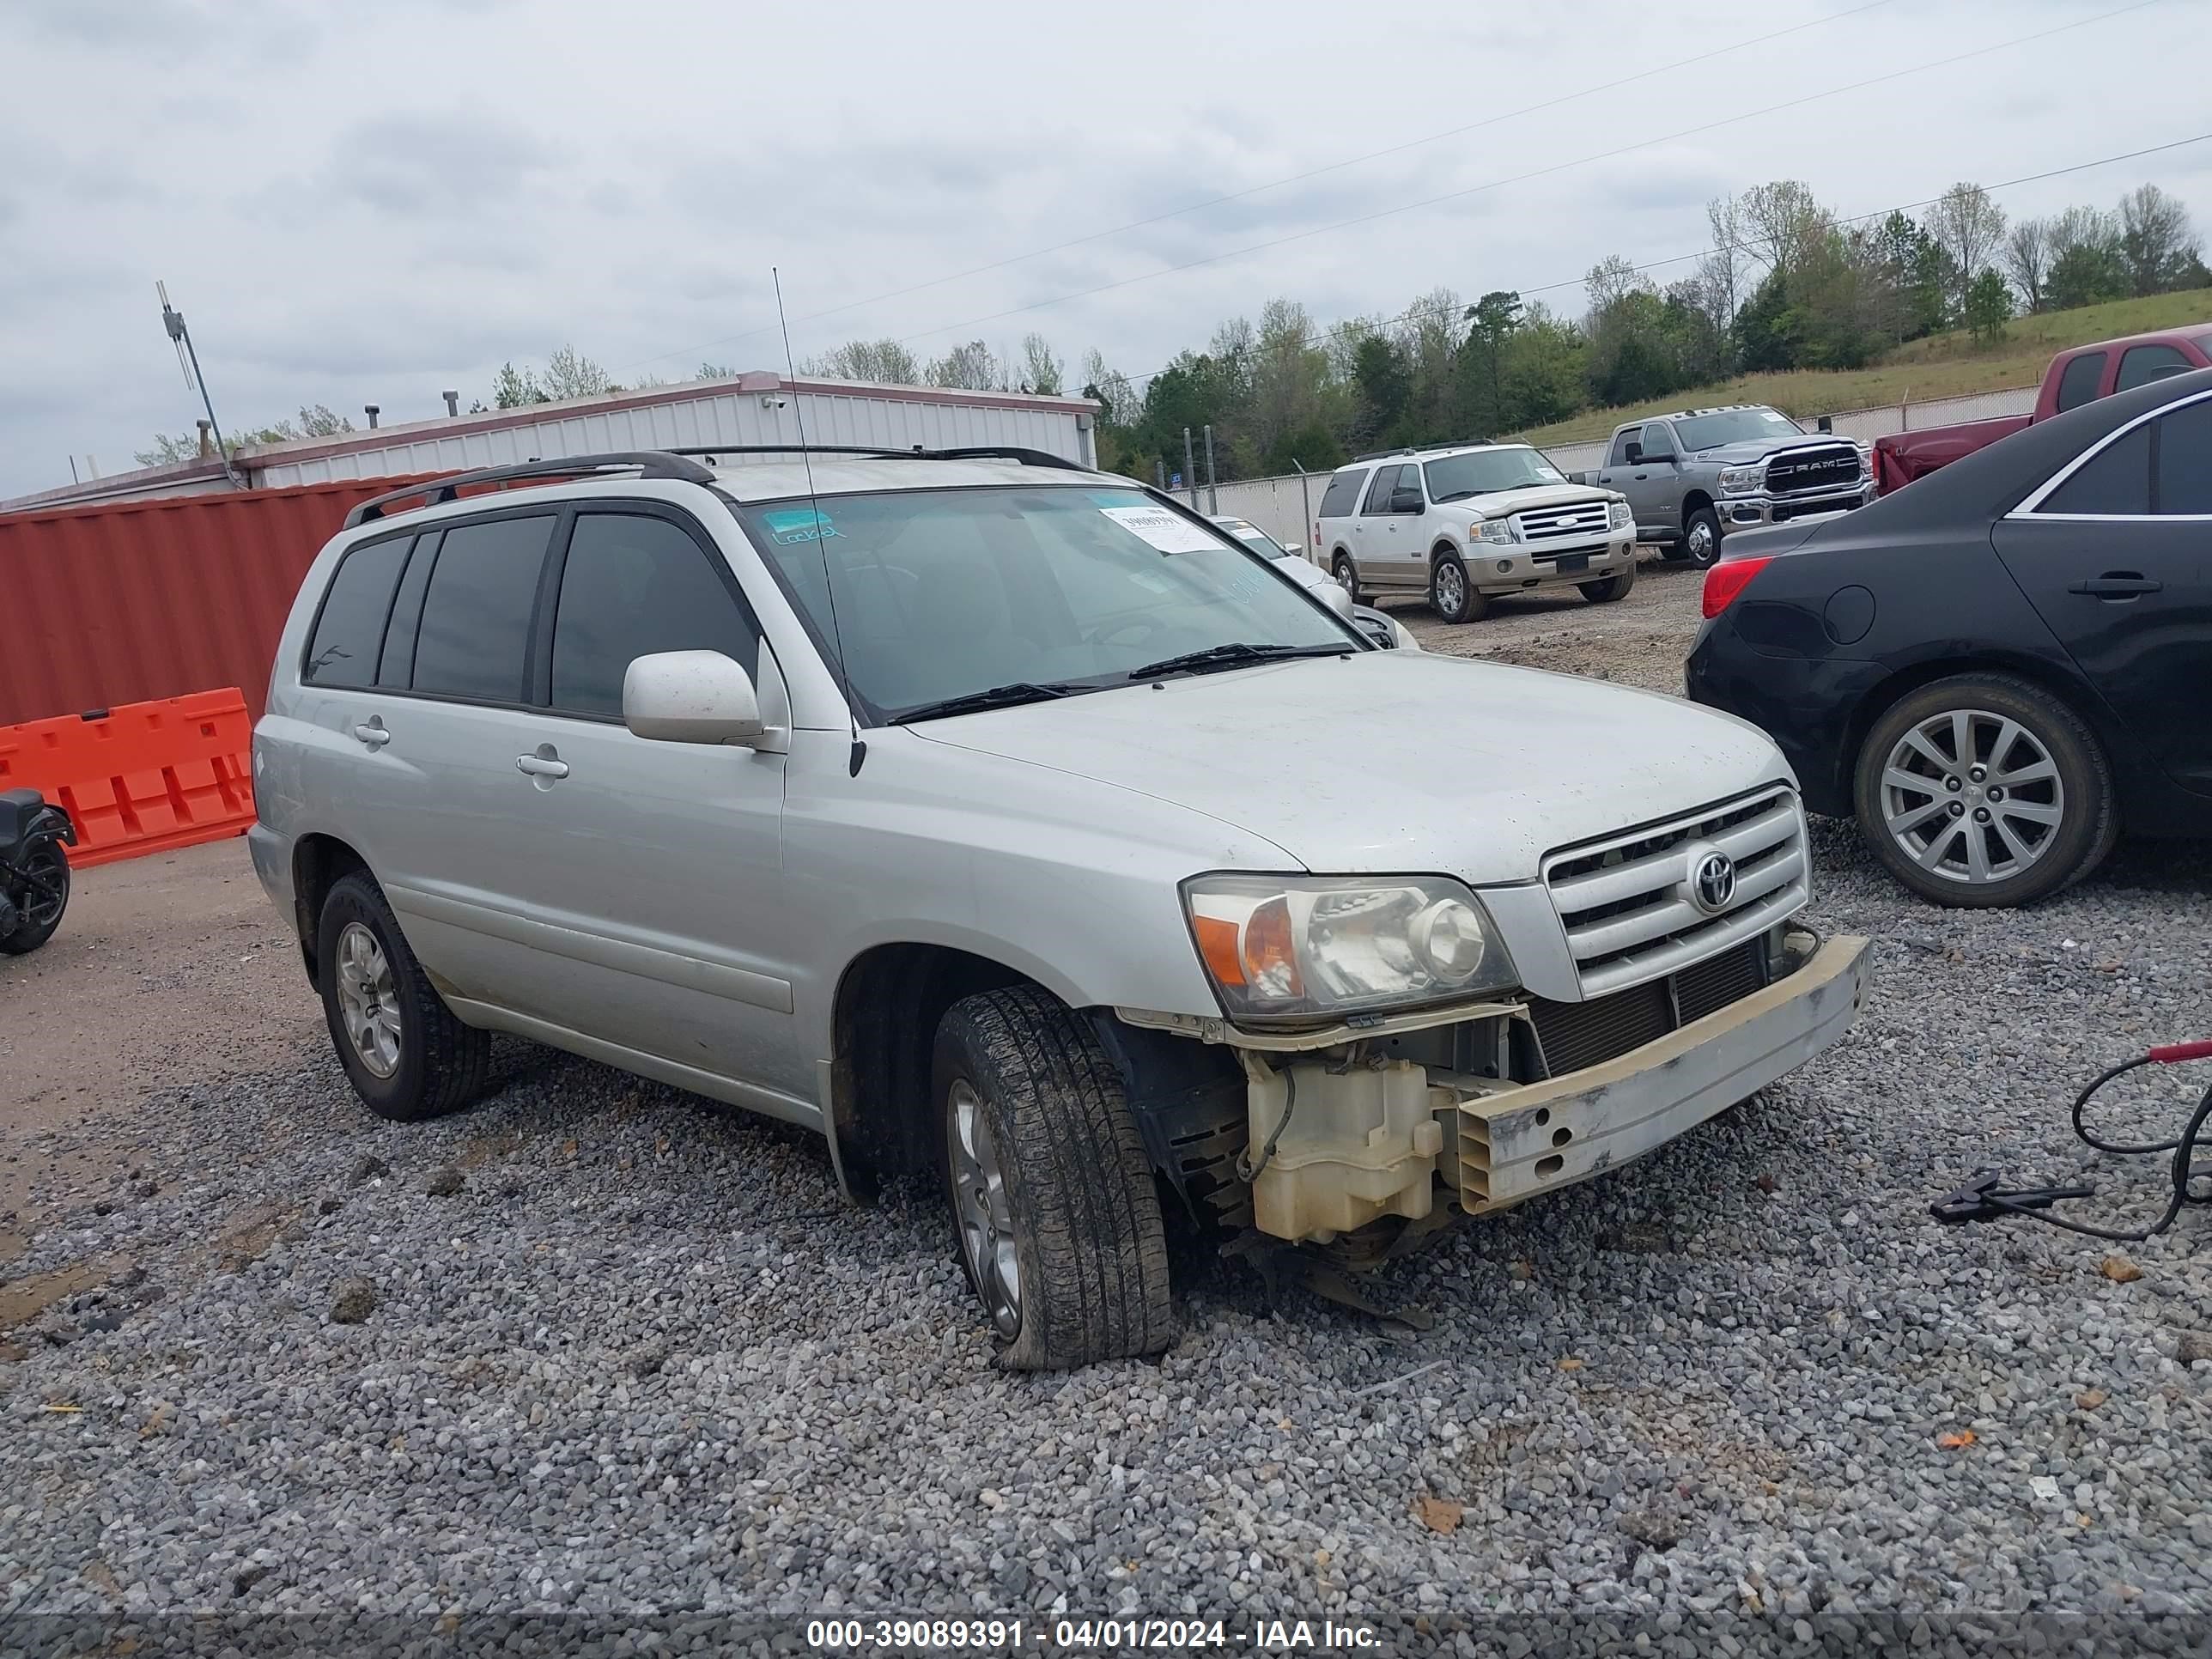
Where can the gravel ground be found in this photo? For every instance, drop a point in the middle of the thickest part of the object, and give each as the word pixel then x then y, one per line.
pixel 598 1350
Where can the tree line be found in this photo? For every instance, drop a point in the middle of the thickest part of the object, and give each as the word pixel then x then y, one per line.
pixel 1785 284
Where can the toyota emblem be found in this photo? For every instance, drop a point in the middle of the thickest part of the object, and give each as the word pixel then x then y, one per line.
pixel 1712 881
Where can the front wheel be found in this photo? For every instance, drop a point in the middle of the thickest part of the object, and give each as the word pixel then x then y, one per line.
pixel 1984 791
pixel 1606 589
pixel 1450 594
pixel 1701 537
pixel 1347 575
pixel 45 895
pixel 1053 1199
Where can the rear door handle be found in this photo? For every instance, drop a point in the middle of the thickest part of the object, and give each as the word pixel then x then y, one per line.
pixel 541 766
pixel 371 733
pixel 2117 585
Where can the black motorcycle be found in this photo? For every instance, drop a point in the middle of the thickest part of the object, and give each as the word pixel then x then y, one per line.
pixel 35 872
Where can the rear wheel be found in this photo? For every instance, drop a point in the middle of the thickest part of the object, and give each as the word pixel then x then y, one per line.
pixel 45 895
pixel 1347 575
pixel 406 1055
pixel 1606 589
pixel 1053 1199
pixel 1451 596
pixel 1984 791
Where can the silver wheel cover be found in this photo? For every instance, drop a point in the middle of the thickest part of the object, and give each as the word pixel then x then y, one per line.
pixel 1971 797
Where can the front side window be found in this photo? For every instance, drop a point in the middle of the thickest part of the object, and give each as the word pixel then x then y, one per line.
pixel 1457 478
pixel 634 585
pixel 350 633
pixel 1342 493
pixel 474 640
pixel 1732 426
pixel 1626 436
pixel 2141 365
pixel 1379 492
pixel 2077 381
pixel 1035 591
pixel 2114 481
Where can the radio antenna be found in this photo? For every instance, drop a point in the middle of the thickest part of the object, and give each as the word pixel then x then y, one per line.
pixel 821 531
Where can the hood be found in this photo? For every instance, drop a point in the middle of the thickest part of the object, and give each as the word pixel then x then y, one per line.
pixel 1758 449
pixel 1499 502
pixel 1392 761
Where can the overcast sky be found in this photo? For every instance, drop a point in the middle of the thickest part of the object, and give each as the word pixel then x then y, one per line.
pixel 372 202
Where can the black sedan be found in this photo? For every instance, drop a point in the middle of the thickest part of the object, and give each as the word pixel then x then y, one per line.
pixel 1998 666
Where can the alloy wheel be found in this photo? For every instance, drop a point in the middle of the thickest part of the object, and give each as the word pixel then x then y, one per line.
pixel 981 1206
pixel 367 1000
pixel 1972 796
pixel 1451 589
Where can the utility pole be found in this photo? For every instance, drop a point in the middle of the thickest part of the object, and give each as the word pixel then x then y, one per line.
pixel 1213 493
pixel 189 360
pixel 1189 470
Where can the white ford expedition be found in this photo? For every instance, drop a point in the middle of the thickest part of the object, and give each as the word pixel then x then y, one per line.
pixel 1464 523
pixel 1009 824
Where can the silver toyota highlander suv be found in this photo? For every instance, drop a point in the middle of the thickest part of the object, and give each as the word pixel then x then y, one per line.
pixel 1009 822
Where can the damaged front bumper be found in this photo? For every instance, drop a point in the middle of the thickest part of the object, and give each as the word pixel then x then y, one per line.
pixel 1349 1134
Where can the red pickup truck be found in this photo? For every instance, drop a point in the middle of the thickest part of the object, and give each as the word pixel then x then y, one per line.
pixel 2074 377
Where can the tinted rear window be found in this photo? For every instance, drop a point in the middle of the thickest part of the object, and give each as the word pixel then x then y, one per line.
pixel 2184 459
pixel 2077 382
pixel 474 637
pixel 350 633
pixel 2117 480
pixel 1343 491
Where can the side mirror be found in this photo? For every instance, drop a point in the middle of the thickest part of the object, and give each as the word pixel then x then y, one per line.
pixel 1635 454
pixel 1299 547
pixel 690 697
pixel 1336 600
pixel 1406 500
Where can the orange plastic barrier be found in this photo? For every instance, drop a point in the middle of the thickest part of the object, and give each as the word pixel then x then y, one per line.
pixel 142 778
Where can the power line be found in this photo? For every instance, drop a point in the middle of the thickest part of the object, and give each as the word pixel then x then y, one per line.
pixel 1276 184
pixel 1539 172
pixel 1413 312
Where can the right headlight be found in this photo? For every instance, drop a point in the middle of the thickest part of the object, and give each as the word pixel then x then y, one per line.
pixel 1301 947
pixel 1623 517
pixel 1742 480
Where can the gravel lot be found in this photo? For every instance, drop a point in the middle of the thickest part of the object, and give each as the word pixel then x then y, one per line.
pixel 618 1353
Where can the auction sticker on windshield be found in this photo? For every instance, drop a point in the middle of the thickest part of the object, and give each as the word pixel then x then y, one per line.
pixel 1166 531
pixel 801 524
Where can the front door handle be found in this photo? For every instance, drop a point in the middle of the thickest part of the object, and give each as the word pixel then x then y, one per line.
pixel 542 765
pixel 2117 585
pixel 371 733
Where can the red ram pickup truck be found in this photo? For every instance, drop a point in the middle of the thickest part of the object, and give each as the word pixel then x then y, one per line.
pixel 2074 377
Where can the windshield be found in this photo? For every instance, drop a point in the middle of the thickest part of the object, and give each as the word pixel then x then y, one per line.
pixel 1456 477
pixel 1734 426
pixel 946 593
pixel 1258 540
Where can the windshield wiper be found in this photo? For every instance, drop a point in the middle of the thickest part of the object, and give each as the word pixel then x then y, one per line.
pixel 1235 654
pixel 1461 496
pixel 998 696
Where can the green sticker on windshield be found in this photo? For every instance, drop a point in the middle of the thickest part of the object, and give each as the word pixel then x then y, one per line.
pixel 791 525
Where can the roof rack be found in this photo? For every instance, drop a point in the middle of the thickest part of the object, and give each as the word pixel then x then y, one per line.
pixel 977 452
pixel 1423 449
pixel 646 463
pixel 672 464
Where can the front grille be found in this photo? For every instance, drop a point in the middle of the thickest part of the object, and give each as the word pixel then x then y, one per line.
pixel 1629 903
pixel 1783 512
pixel 1577 522
pixel 1574 1035
pixel 1826 466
